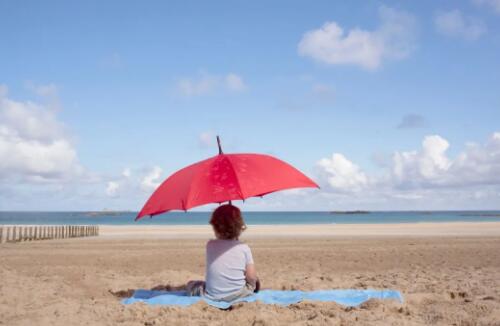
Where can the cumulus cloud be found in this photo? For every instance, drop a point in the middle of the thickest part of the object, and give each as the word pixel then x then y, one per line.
pixel 207 139
pixel 412 121
pixel 453 23
pixel 234 82
pixel 493 4
pixel 152 180
pixel 341 174
pixel 207 84
pixel 393 39
pixel 426 166
pixel 413 174
pixel 126 173
pixel 477 164
pixel 33 142
pixel 112 188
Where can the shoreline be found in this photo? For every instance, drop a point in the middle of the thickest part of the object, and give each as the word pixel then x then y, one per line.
pixel 421 229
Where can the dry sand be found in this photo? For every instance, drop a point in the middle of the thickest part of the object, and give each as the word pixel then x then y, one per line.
pixel 448 274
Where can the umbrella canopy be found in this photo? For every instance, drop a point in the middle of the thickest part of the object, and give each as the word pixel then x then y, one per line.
pixel 222 178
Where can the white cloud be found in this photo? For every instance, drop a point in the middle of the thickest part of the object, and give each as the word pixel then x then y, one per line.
pixel 493 4
pixel 428 165
pixel 206 84
pixel 207 139
pixel 234 82
pixel 341 174
pixel 453 23
pixel 431 167
pixel 44 90
pixel 393 39
pixel 112 188
pixel 48 92
pixel 33 143
pixel 152 180
pixel 126 173
pixel 427 168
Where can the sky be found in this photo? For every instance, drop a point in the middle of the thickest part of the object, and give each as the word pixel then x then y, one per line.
pixel 388 105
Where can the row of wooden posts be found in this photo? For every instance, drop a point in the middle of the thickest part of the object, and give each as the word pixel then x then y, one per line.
pixel 18 233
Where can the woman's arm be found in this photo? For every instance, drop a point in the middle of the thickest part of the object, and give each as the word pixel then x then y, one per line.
pixel 251 274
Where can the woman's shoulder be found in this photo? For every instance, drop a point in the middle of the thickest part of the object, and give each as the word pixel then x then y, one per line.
pixel 230 243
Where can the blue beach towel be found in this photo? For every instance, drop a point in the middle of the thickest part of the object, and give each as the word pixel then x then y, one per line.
pixel 349 297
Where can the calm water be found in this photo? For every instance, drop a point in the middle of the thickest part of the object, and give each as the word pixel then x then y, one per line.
pixel 198 218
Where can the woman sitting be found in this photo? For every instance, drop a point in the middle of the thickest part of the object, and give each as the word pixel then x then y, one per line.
pixel 230 270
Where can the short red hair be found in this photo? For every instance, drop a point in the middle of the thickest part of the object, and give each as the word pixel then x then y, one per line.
pixel 228 222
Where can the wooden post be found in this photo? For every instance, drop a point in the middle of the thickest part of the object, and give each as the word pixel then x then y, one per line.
pixel 14 234
pixel 25 233
pixel 1 233
pixel 36 232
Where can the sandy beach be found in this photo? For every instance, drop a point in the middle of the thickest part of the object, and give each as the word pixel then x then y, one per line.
pixel 448 273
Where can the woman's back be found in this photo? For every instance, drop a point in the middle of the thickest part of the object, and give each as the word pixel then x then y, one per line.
pixel 226 262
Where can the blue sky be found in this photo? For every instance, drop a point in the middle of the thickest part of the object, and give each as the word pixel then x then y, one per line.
pixel 101 101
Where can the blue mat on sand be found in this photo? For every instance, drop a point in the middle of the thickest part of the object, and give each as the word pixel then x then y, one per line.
pixel 348 297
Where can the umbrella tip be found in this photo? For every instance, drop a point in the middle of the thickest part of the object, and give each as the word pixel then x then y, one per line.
pixel 218 144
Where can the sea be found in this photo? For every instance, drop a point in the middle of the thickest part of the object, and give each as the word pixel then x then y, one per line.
pixel 251 218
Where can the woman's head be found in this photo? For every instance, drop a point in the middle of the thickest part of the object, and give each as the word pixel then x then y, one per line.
pixel 227 222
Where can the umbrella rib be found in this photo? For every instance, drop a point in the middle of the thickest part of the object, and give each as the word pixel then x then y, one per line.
pixel 236 178
pixel 184 204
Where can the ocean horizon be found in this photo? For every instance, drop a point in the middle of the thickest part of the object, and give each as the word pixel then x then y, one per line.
pixel 251 218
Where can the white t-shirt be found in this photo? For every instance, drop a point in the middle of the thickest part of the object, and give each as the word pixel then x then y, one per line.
pixel 225 267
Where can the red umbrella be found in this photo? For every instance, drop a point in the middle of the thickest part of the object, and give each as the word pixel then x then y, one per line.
pixel 221 178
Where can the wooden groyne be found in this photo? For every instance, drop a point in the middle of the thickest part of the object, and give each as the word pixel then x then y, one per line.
pixel 20 233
